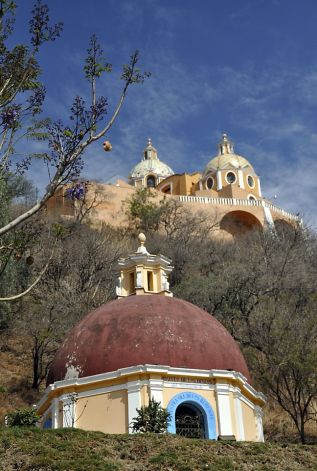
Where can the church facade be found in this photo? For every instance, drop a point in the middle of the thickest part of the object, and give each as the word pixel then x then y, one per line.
pixel 227 189
pixel 148 344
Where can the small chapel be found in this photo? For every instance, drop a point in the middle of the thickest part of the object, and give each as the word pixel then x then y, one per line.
pixel 149 344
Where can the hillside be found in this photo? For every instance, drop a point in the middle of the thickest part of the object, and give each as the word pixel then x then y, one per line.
pixel 76 450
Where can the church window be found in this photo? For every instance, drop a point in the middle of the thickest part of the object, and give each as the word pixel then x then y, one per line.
pixel 150 281
pixel 150 182
pixel 250 181
pixel 209 183
pixel 251 198
pixel 231 177
pixel 131 283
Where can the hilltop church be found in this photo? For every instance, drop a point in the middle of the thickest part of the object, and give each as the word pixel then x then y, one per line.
pixel 228 189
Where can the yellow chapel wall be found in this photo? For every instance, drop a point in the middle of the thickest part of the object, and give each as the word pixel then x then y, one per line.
pixel 107 412
pixel 248 414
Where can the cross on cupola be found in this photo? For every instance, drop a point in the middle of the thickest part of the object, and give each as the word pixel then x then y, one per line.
pixel 225 146
pixel 143 273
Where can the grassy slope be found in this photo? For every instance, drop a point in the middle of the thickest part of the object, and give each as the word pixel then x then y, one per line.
pixel 76 450
pixel 15 373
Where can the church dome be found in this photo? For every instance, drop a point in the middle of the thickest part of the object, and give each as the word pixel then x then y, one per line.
pixel 150 164
pixel 139 330
pixel 227 159
pixel 145 167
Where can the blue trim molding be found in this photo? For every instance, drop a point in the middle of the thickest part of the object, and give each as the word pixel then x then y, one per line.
pixel 201 403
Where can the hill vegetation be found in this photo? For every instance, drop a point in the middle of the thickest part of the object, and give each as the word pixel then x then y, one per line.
pixel 76 450
pixel 261 286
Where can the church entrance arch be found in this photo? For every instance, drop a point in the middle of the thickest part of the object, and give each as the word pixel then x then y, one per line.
pixel 189 421
pixel 191 416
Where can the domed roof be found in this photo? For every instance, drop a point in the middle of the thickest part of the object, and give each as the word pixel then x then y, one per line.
pixel 227 159
pixel 150 164
pixel 139 330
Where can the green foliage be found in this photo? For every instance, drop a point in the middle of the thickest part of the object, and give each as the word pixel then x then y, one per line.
pixel 152 418
pixel 95 64
pixel 22 418
pixel 262 288
pixel 145 214
pixel 74 449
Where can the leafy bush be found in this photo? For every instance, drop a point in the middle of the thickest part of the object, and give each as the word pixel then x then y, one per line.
pixel 22 417
pixel 151 418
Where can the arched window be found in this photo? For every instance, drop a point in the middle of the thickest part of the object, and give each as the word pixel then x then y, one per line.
pixel 209 183
pixel 150 181
pixel 231 177
pixel 250 181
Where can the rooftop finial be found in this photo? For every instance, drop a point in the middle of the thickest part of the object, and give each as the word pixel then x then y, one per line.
pixel 225 146
pixel 149 141
pixel 142 239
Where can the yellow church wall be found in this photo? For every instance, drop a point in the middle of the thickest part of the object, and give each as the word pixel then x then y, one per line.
pixel 183 184
pixel 249 422
pixel 226 191
pixel 111 209
pixel 107 412
pixel 255 190
pixel 204 192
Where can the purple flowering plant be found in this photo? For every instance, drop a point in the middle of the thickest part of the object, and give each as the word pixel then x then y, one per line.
pixel 21 100
pixel 76 192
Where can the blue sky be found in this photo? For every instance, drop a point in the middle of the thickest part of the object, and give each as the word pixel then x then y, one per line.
pixel 245 67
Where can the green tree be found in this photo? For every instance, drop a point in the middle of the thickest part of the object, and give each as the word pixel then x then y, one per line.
pixel 144 213
pixel 21 101
pixel 263 289
pixel 79 279
pixel 152 418
pixel 15 257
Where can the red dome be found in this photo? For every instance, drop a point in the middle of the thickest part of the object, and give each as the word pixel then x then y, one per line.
pixel 140 330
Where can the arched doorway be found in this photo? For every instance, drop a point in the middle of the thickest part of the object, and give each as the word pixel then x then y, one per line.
pixel 184 407
pixel 190 421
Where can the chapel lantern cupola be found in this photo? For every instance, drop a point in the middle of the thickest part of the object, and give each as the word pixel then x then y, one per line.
pixel 143 273
pixel 225 146
pixel 150 153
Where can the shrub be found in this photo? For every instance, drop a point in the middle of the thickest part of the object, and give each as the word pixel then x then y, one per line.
pixel 151 418
pixel 22 417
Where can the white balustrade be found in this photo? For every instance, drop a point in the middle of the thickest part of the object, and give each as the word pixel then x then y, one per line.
pixel 236 202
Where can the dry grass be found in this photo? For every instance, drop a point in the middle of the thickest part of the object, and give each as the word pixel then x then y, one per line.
pixel 15 373
pixel 76 450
